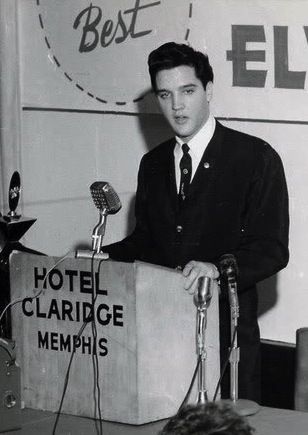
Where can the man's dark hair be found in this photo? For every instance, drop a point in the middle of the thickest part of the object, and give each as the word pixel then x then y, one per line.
pixel 213 418
pixel 172 55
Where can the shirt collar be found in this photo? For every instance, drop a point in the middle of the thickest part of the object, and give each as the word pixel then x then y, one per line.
pixel 201 139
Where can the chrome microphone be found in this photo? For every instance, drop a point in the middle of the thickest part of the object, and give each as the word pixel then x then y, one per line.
pixel 204 292
pixel 202 297
pixel 107 201
pixel 105 197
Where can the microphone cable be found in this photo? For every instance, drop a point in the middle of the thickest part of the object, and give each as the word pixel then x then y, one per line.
pixel 95 362
pixel 67 376
pixel 96 391
pixel 225 365
pixel 191 384
pixel 184 402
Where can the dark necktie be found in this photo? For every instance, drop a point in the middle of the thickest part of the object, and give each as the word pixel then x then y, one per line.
pixel 185 167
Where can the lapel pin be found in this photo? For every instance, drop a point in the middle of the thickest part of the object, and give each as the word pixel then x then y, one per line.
pixel 206 165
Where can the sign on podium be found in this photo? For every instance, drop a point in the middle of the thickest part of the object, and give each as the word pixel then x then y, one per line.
pixel 142 333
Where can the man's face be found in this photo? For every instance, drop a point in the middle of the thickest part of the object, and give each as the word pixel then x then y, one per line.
pixel 183 100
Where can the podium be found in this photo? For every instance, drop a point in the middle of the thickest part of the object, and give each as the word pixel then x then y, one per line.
pixel 145 342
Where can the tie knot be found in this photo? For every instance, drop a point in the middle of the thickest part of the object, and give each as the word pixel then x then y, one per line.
pixel 185 148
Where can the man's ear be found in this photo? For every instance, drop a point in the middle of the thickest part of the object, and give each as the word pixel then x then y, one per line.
pixel 209 91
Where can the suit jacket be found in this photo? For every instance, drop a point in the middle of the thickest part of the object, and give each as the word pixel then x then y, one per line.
pixel 237 203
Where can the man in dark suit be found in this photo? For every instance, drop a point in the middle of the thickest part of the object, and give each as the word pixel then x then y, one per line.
pixel 224 193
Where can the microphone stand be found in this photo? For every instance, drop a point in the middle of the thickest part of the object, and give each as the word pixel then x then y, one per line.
pixel 201 299
pixel 99 231
pixel 97 239
pixel 235 351
pixel 241 406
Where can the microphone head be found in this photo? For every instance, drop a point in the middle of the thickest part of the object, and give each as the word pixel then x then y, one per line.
pixel 203 293
pixel 228 267
pixel 105 198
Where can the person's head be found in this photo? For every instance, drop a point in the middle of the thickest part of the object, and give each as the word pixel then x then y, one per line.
pixel 213 418
pixel 182 79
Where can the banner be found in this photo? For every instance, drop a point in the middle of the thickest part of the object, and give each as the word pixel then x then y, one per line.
pixel 101 47
pixel 259 51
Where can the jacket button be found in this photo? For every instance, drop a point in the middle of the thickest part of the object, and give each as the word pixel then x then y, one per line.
pixel 179 228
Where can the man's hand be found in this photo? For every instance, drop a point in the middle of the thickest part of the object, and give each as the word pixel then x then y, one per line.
pixel 194 270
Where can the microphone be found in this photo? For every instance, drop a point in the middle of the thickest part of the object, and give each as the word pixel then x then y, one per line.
pixel 204 292
pixel 202 298
pixel 108 202
pixel 228 267
pixel 229 271
pixel 14 192
pixel 105 197
pixel 12 225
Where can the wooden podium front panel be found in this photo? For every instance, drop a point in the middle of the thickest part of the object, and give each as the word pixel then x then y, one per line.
pixel 145 326
pixel 45 341
pixel 166 325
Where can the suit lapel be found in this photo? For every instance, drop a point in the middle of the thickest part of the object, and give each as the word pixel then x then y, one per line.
pixel 173 194
pixel 166 167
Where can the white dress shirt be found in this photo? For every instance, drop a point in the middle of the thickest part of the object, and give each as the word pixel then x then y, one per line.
pixel 197 147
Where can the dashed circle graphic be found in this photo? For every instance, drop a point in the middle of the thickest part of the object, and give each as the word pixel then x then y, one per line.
pixel 129 71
